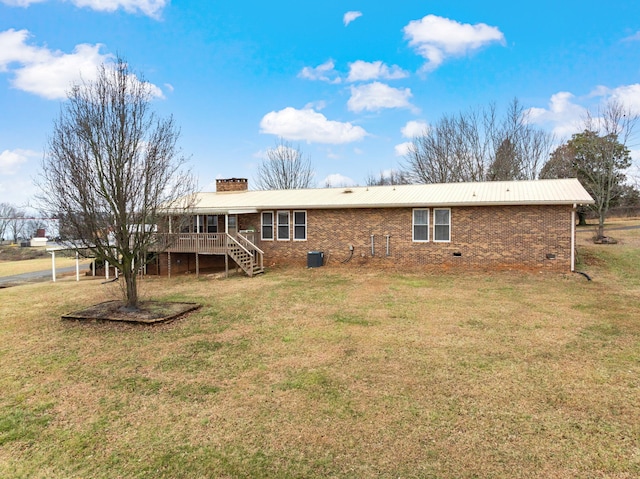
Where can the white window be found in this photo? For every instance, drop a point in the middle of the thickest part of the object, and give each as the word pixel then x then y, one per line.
pixel 421 224
pixel 283 225
pixel 442 224
pixel 267 225
pixel 300 225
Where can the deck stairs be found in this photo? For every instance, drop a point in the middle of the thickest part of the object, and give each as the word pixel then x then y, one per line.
pixel 246 255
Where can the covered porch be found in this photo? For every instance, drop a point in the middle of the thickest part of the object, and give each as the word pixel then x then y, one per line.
pixel 239 247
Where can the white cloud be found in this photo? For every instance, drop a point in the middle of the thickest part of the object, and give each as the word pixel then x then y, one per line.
pixel 626 95
pixel 336 180
pixel 44 72
pixel 15 185
pixel 331 155
pixel 365 71
pixel 309 125
pixel 403 148
pixel 49 73
pixel 632 38
pixel 20 3
pixel 414 128
pixel 350 17
pixel 316 105
pixel 13 49
pixel 436 38
pixel 11 160
pixel 324 72
pixel 376 96
pixel 53 77
pixel 151 8
pixel 19 190
pixel 563 115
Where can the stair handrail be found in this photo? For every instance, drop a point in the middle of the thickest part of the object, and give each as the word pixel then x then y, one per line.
pixel 236 242
pixel 249 242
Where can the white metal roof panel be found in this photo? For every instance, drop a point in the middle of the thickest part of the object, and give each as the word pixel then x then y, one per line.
pixel 561 191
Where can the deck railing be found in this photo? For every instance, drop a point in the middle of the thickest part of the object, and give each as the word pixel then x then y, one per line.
pixel 212 243
pixel 246 254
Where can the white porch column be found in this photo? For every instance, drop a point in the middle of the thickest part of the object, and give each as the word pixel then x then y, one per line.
pixel 53 266
pixel 77 267
pixel 106 269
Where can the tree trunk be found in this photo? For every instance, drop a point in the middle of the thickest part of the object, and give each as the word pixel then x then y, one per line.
pixel 582 219
pixel 601 226
pixel 131 292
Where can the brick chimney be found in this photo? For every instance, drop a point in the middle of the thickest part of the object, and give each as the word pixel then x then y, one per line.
pixel 231 184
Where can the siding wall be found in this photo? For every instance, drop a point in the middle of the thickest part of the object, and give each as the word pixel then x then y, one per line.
pixel 491 237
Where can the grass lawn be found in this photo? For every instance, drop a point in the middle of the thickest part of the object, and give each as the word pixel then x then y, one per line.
pixel 333 372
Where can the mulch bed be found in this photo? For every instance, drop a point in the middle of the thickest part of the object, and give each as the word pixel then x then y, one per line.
pixel 148 312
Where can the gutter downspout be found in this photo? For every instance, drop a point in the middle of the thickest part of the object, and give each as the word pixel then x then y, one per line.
pixel 573 238
pixel 573 244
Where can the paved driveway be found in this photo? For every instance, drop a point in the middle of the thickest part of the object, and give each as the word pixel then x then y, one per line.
pixel 36 276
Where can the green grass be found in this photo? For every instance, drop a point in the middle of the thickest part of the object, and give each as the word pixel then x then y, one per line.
pixel 332 372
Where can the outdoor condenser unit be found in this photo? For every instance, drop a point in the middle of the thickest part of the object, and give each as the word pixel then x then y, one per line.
pixel 315 259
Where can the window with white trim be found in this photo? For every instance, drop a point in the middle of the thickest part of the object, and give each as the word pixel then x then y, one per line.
pixel 442 224
pixel 299 225
pixel 283 225
pixel 267 225
pixel 421 224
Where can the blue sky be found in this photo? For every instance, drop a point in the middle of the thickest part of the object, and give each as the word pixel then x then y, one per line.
pixel 350 82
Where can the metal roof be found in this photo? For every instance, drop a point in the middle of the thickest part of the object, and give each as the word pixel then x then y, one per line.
pixel 538 192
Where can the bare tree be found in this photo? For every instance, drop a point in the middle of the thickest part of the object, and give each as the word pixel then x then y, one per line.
pixel 6 214
pixel 112 167
pixel 449 151
pixel 390 177
pixel 284 168
pixel 477 146
pixel 519 149
pixel 17 223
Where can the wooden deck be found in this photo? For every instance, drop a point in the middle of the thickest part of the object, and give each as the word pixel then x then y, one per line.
pixel 238 247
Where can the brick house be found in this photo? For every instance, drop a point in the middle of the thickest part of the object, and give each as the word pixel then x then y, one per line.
pixel 487 225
